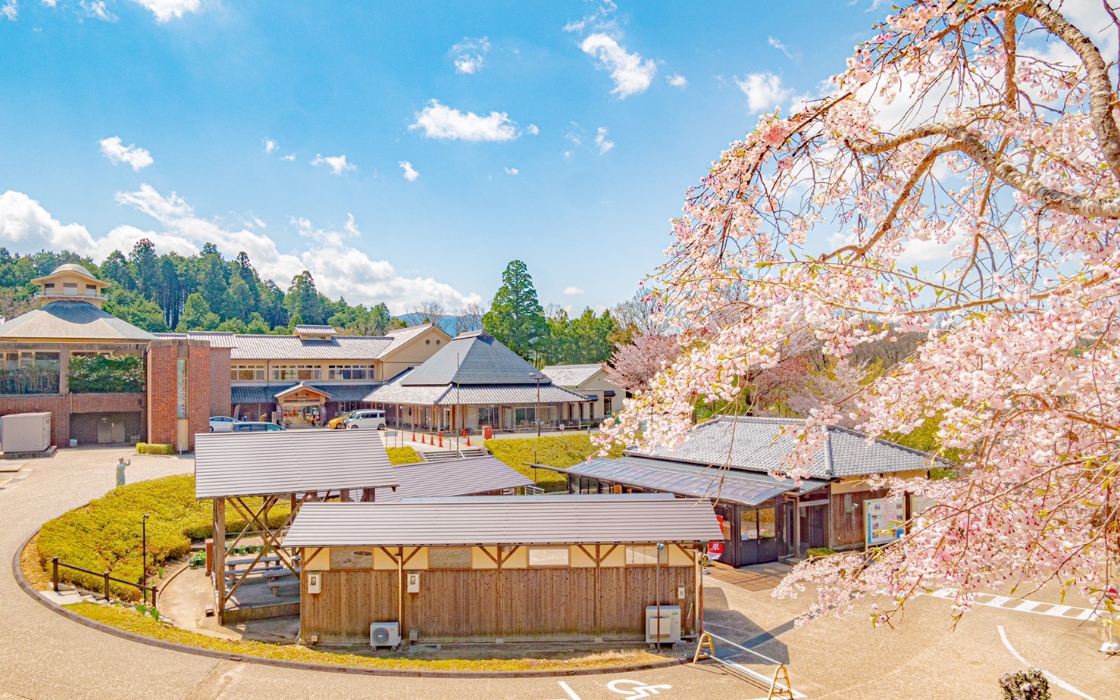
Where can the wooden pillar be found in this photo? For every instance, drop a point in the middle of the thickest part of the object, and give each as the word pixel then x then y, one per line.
pixel 797 527
pixel 219 548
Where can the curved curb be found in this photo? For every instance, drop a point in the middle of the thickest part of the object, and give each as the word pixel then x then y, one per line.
pixel 17 572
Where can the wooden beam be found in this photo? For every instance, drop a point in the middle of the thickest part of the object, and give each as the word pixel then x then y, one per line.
pixel 219 565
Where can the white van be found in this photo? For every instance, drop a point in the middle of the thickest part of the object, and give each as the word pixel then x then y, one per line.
pixel 366 419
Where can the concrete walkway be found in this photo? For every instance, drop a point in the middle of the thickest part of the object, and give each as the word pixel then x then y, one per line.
pixel 43 655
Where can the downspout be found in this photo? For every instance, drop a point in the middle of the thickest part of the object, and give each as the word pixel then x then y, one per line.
pixel 400 589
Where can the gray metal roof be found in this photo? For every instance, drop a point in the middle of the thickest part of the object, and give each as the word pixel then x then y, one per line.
pixel 757 444
pixel 399 392
pixel 504 520
pixel 77 320
pixel 474 358
pixel 571 375
pixel 393 392
pixel 453 477
pixel 311 329
pixel 266 393
pixel 691 480
pixel 293 461
pixel 357 348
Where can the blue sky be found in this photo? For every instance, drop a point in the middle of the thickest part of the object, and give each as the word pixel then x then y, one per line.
pixel 564 134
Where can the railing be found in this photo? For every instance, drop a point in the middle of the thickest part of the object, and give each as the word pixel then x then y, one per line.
pixel 777 689
pixel 106 578
pixel 29 380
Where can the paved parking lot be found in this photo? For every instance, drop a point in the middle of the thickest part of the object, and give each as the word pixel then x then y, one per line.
pixel 47 656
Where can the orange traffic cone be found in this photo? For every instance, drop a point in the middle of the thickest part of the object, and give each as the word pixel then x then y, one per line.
pixel 441 438
pixel 414 436
pixel 468 441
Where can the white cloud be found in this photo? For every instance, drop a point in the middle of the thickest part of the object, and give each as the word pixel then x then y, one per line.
pixel 270 145
pixel 339 268
pixel 470 54
pixel 630 73
pixel 777 44
pixel 512 171
pixel 442 122
pixel 49 3
pixel 601 140
pixel 410 173
pixel 167 10
pixel 763 91
pixel 10 10
pixel 97 10
pixel 677 80
pixel 289 157
pixel 532 130
pixel 601 19
pixel 572 291
pixel 131 154
pixel 337 164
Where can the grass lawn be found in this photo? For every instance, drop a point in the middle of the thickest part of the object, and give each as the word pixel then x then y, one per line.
pixel 105 535
pixel 128 619
pixel 555 451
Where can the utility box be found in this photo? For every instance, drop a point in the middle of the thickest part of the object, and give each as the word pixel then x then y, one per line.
pixel 25 432
pixel 667 628
pixel 413 581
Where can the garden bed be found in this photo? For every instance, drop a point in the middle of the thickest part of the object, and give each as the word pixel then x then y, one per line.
pixel 554 450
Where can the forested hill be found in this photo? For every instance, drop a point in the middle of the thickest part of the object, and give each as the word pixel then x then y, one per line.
pixel 201 292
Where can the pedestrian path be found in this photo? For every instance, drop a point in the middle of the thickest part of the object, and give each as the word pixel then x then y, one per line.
pixel 990 600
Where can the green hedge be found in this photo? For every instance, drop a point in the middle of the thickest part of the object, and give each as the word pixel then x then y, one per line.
pixel 103 374
pixel 105 535
pixel 147 448
pixel 555 451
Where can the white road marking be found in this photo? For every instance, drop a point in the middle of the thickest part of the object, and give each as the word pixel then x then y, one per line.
pixel 567 689
pixel 1049 676
pixel 1034 607
pixel 997 601
pixel 639 689
pixel 1026 606
pixel 1057 610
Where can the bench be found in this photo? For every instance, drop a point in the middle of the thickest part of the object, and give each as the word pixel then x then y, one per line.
pixel 267 572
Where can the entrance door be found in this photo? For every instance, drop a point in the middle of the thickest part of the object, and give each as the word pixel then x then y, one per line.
pixel 813 530
pixel 759 536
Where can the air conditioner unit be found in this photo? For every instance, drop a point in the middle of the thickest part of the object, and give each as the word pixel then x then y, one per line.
pixel 667 628
pixel 385 634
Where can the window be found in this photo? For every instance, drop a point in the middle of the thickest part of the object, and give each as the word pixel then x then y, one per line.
pixel 347 372
pixel 757 524
pixel 449 558
pixel 606 406
pixel 293 373
pixel 70 289
pixel 246 373
pixel 548 556
pixel 48 288
pixel 524 415
pixel 91 291
pixel 646 555
pixel 487 415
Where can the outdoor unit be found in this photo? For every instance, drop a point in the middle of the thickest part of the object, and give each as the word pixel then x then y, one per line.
pixel 25 432
pixel 667 630
pixel 385 634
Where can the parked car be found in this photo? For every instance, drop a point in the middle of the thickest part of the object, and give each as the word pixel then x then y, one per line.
pixel 338 421
pixel 222 424
pixel 245 426
pixel 366 419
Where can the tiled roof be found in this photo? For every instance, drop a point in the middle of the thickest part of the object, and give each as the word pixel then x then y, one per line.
pixel 266 393
pixel 77 320
pixel 252 346
pixel 571 375
pixel 453 477
pixel 398 391
pixel 314 330
pixel 393 392
pixel 474 358
pixel 504 520
pixel 692 480
pixel 758 444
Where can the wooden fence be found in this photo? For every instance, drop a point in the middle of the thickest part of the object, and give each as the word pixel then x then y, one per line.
pixel 55 564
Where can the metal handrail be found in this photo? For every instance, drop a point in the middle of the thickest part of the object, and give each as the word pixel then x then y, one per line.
pixel 55 563
pixel 773 683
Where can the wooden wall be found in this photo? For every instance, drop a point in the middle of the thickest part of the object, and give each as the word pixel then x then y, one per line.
pixel 847 528
pixel 463 603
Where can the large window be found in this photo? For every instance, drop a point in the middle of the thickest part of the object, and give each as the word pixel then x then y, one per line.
pixel 350 372
pixel 246 373
pixel 487 415
pixel 646 555
pixel 293 373
pixel 30 372
pixel 525 416
pixel 758 524
pixel 548 556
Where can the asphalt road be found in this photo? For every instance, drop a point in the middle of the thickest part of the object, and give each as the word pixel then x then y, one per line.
pixel 43 655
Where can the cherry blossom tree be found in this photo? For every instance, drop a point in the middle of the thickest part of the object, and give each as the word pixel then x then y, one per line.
pixel 962 180
pixel 635 364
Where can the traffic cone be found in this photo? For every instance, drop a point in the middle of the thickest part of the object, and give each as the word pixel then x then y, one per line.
pixel 441 438
pixel 468 441
pixel 414 436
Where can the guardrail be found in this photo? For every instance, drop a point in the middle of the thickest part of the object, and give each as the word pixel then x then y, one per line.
pixel 55 563
pixel 777 689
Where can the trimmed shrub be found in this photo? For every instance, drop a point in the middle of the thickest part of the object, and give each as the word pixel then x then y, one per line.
pixel 1025 685
pixel 148 448
pixel 403 455
pixel 554 450
pixel 103 374
pixel 818 552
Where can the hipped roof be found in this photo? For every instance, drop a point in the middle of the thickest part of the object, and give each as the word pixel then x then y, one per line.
pixel 472 359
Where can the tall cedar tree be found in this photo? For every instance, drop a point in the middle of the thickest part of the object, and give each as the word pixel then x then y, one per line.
pixel 515 317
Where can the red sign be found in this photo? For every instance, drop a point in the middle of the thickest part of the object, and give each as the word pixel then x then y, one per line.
pixel 715 547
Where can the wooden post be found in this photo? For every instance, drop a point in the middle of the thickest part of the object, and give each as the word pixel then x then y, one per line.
pixel 797 528
pixel 106 575
pixel 220 556
pixel 54 573
pixel 155 593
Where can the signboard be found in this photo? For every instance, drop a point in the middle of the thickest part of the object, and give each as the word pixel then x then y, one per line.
pixel 715 547
pixel 883 520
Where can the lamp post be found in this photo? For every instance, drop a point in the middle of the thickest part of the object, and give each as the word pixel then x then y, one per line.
pixel 144 548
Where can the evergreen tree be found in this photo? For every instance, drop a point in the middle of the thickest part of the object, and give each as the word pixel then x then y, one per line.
pixel 304 301
pixel 115 270
pixel 197 315
pixel 146 267
pixel 515 317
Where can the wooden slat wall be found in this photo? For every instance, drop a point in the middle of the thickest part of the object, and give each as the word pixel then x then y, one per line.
pixel 847 528
pixel 465 603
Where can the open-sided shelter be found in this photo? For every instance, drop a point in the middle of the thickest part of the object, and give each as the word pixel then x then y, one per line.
pixel 499 566
pixel 300 467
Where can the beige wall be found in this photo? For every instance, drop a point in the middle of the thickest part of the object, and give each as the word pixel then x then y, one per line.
pixel 857 484
pixel 679 556
pixel 413 353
